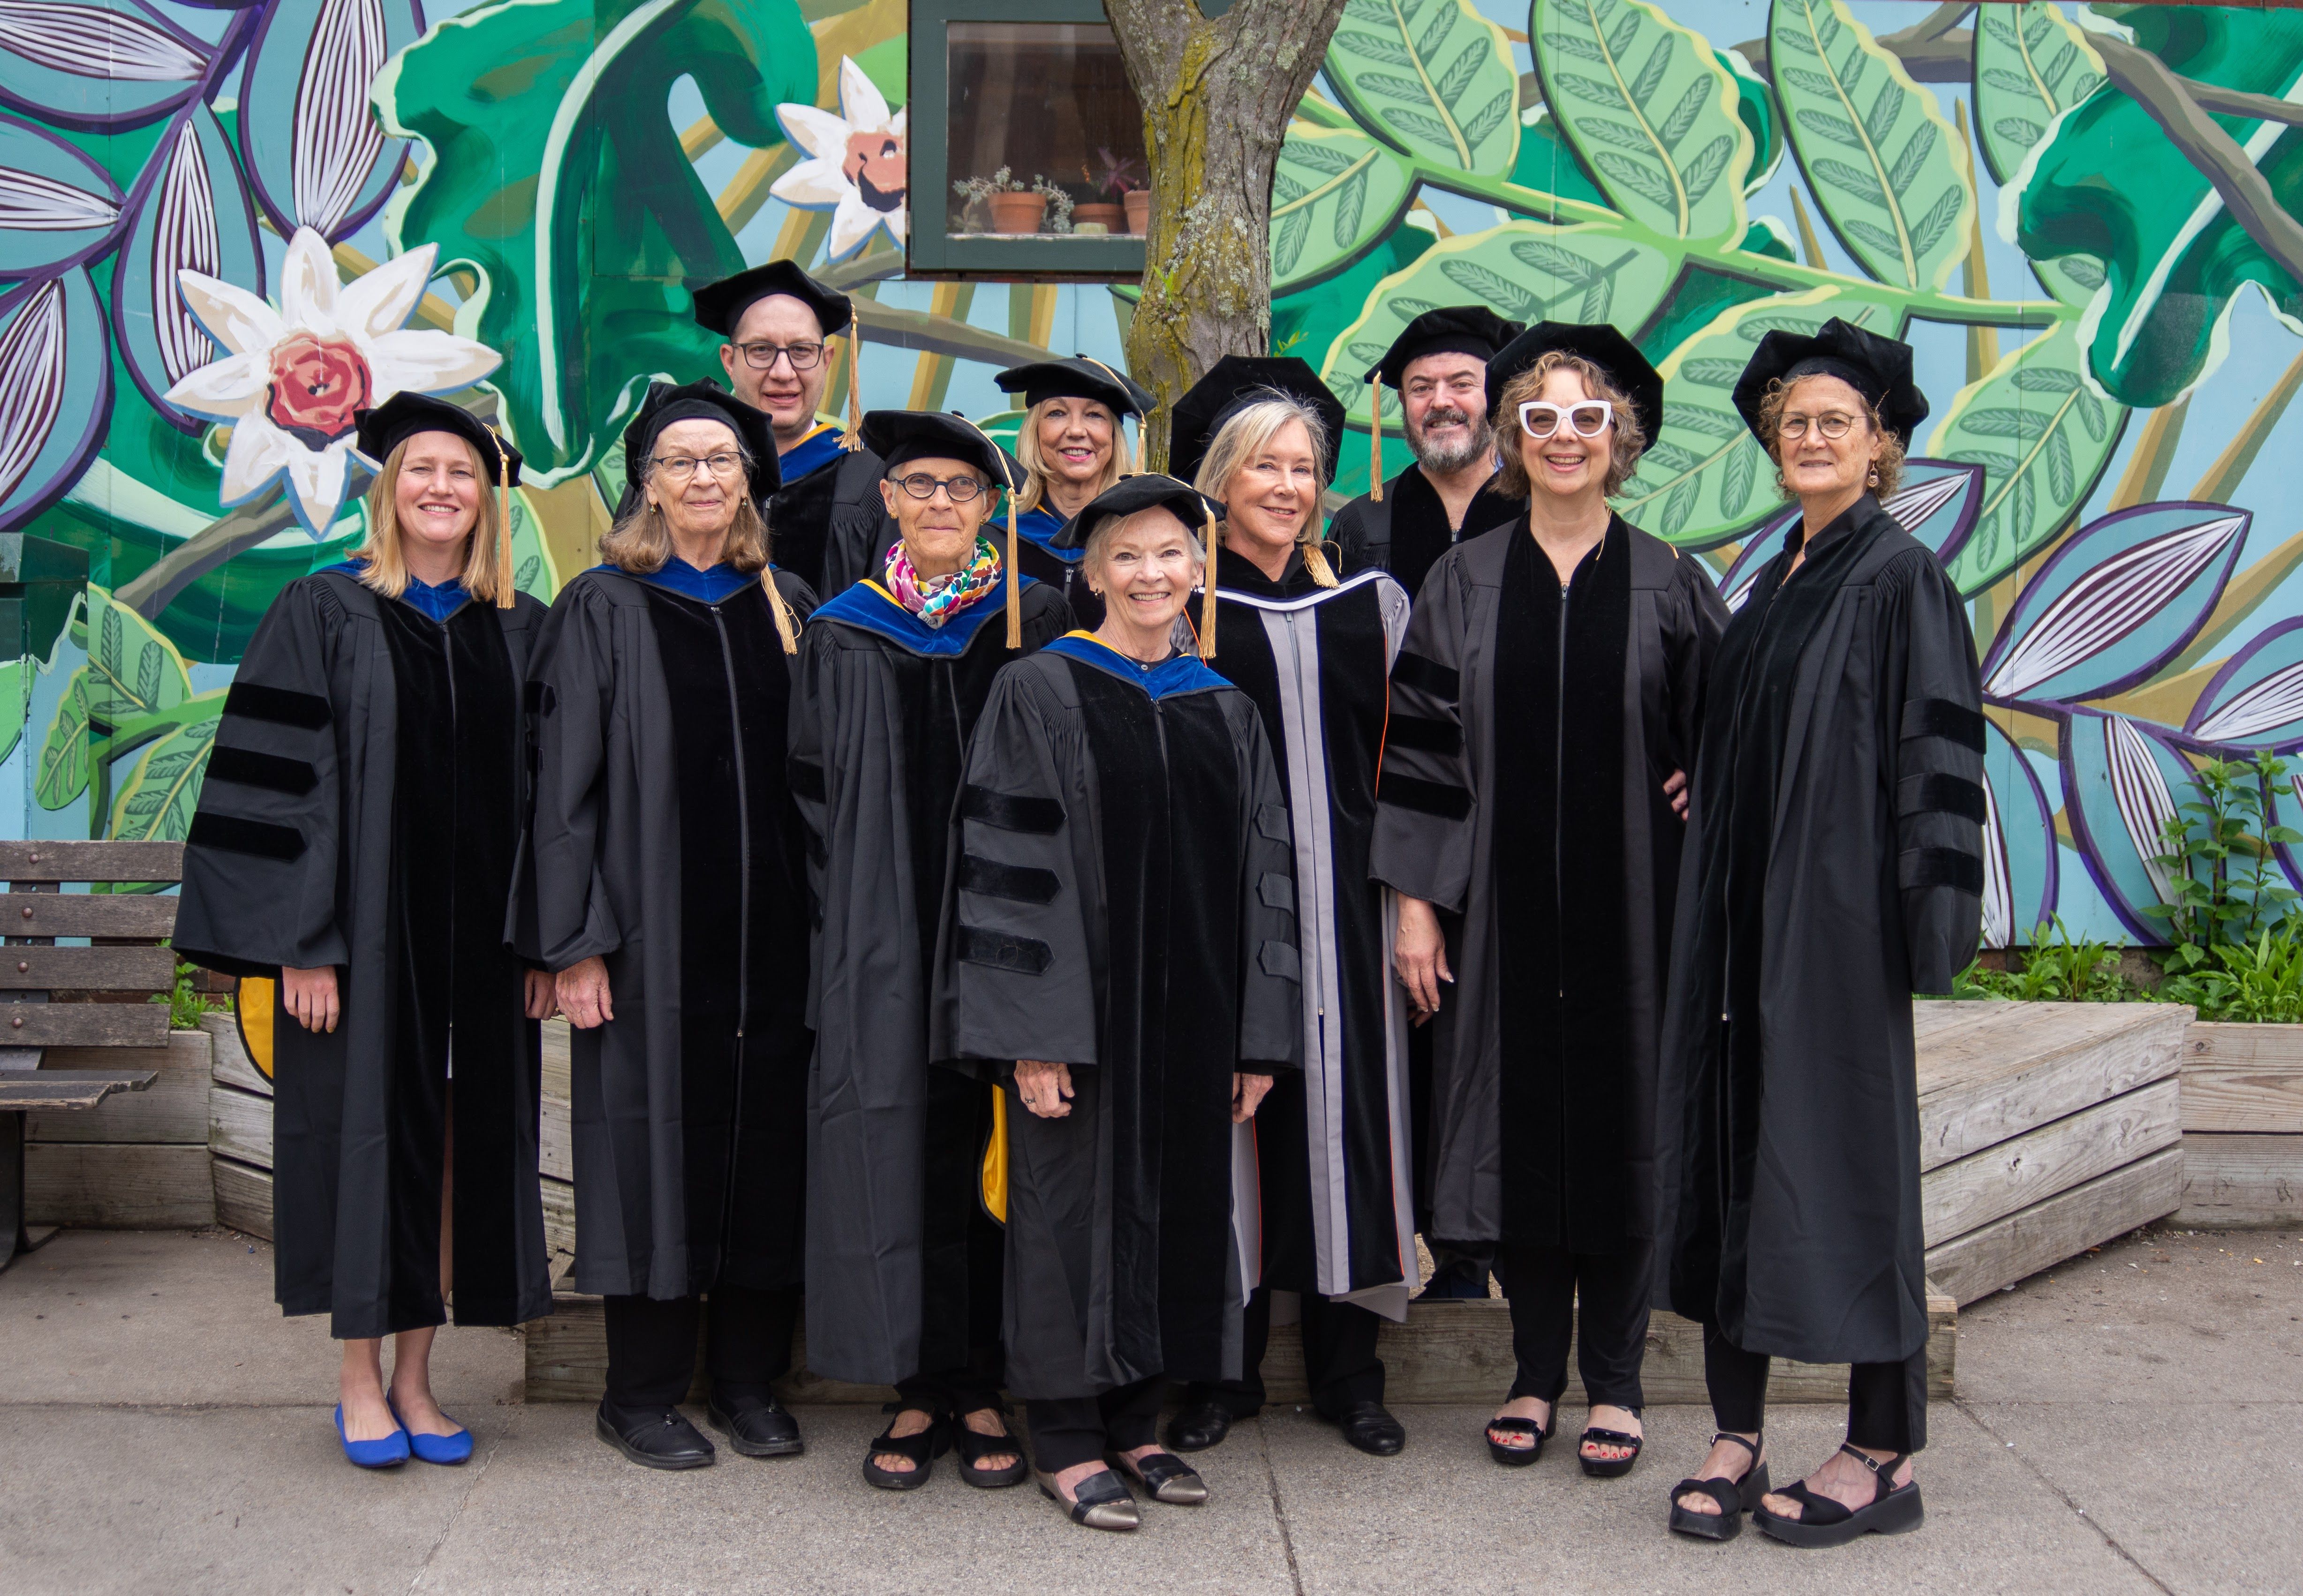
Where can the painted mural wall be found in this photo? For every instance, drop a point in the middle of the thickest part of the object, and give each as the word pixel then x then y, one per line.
pixel 226 226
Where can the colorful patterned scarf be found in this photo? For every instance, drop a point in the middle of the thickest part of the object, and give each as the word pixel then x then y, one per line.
pixel 939 597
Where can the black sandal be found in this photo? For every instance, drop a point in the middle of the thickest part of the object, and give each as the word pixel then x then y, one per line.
pixel 923 1450
pixel 974 1449
pixel 1735 1497
pixel 1101 1502
pixel 1520 1456
pixel 1168 1477
pixel 1892 1510
pixel 1608 1468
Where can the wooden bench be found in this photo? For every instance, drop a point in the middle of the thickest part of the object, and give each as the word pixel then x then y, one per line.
pixel 76 997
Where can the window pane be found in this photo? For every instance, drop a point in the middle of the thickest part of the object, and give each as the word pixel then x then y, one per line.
pixel 1046 100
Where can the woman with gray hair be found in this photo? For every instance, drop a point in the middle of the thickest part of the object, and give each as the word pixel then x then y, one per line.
pixel 1118 956
pixel 661 881
pixel 1331 1147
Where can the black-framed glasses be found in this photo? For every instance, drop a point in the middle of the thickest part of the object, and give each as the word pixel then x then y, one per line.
pixel 963 489
pixel 762 357
pixel 1832 424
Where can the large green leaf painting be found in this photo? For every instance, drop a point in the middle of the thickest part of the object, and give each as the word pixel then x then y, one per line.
pixel 1523 271
pixel 1650 109
pixel 559 182
pixel 2109 184
pixel 1334 192
pixel 160 791
pixel 2043 435
pixel 1433 77
pixel 1882 161
pixel 2032 65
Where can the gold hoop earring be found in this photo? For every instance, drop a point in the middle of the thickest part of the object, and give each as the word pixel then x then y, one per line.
pixel 1872 481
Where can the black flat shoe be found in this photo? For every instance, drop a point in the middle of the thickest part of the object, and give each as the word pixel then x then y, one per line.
pixel 923 1450
pixel 1520 1456
pixel 1198 1427
pixel 1168 1477
pixel 653 1437
pixel 757 1426
pixel 1101 1502
pixel 1608 1468
pixel 1892 1510
pixel 1369 1427
pixel 974 1449
pixel 1735 1497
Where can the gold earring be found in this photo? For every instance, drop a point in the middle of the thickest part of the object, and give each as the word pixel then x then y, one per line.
pixel 1872 481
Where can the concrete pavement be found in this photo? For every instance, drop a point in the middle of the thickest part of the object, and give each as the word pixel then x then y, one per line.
pixel 2126 1424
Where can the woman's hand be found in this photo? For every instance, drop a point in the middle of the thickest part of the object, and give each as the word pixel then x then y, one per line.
pixel 542 992
pixel 584 996
pixel 1046 1088
pixel 1246 1096
pixel 1419 953
pixel 309 996
pixel 1675 787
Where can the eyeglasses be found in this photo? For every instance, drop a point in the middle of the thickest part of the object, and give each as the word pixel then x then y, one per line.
pixel 680 468
pixel 762 357
pixel 1831 424
pixel 963 489
pixel 1540 418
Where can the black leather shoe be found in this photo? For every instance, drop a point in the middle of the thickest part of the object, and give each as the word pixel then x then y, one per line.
pixel 757 1426
pixel 1198 1427
pixel 653 1437
pixel 1370 1426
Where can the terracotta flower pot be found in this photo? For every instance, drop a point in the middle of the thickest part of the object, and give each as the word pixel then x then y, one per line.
pixel 1017 212
pixel 1108 216
pixel 1139 210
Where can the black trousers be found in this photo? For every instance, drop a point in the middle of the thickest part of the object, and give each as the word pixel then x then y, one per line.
pixel 1339 1361
pixel 1066 1430
pixel 652 1344
pixel 969 1389
pixel 1547 1286
pixel 1886 1403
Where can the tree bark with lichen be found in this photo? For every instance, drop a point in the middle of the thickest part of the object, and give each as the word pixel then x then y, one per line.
pixel 1217 95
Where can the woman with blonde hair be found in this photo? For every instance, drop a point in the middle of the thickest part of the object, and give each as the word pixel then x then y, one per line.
pixel 355 840
pixel 1542 710
pixel 664 885
pixel 1073 445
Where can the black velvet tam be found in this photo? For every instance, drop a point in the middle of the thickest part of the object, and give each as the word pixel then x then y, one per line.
pixel 1877 367
pixel 404 415
pixel 1131 494
pixel 1598 344
pixel 722 305
pixel 1450 329
pixel 901 436
pixel 1077 378
pixel 1232 384
pixel 702 401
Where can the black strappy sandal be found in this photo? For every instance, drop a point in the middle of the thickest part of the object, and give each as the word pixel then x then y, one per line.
pixel 1520 1456
pixel 1735 1497
pixel 974 1449
pixel 1894 1509
pixel 1610 1468
pixel 923 1450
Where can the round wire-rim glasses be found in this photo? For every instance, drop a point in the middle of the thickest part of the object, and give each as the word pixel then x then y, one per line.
pixel 1586 418
pixel 1831 424
pixel 963 489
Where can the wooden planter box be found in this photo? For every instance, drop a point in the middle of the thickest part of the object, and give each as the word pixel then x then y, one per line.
pixel 2242 1126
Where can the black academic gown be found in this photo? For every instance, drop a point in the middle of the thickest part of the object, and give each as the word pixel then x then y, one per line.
pixel 1062 569
pixel 903 1263
pixel 665 840
pixel 1407 531
pixel 361 810
pixel 1530 735
pixel 831 526
pixel 1119 905
pixel 1837 869
pixel 1331 1144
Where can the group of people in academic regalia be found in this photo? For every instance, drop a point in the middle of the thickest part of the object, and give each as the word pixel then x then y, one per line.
pixel 1048 922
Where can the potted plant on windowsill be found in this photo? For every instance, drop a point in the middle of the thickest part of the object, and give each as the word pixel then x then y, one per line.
pixel 1009 205
pixel 1103 199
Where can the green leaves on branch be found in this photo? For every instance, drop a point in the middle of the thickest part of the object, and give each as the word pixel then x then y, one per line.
pixel 163 788
pixel 1882 161
pixel 1334 193
pixel 1650 110
pixel 1432 77
pixel 2032 65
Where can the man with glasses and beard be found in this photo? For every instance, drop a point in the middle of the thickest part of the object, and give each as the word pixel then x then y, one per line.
pixel 830 526
pixel 1439 365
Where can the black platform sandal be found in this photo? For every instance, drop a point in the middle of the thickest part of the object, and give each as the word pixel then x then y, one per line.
pixel 923 1450
pixel 1735 1497
pixel 1610 1468
pixel 1520 1456
pixel 1892 1510
pixel 974 1449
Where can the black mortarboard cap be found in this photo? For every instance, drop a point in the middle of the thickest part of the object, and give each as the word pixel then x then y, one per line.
pixel 701 401
pixel 720 306
pixel 1232 384
pixel 1076 378
pixel 1596 342
pixel 1131 494
pixel 1451 329
pixel 404 415
pixel 898 436
pixel 1876 367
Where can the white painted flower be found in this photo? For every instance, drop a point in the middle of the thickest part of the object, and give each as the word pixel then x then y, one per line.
pixel 294 377
pixel 859 164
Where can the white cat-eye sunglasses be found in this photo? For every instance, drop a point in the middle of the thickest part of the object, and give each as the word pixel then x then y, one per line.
pixel 1540 418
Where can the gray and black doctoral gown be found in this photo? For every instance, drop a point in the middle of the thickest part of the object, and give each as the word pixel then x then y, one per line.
pixel 1330 1146
pixel 361 811
pixel 1835 868
pixel 903 1263
pixel 665 841
pixel 1531 733
pixel 833 527
pixel 1121 903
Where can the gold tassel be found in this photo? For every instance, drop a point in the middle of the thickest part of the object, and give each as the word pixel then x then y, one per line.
pixel 1316 562
pixel 787 626
pixel 1208 602
pixel 853 438
pixel 503 522
pixel 1375 448
pixel 1015 581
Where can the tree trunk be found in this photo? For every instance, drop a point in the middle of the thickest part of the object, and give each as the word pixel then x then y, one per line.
pixel 1217 96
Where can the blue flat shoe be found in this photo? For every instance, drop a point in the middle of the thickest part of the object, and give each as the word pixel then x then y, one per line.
pixel 434 1448
pixel 390 1452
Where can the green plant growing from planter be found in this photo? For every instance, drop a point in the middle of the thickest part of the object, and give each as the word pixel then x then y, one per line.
pixel 2055 969
pixel 2223 886
pixel 2254 983
pixel 185 1000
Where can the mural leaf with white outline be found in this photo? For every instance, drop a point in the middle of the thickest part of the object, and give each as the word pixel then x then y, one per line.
pixel 2256 699
pixel 317 156
pixel 2120 778
pixel 96 63
pixel 56 390
pixel 57 205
